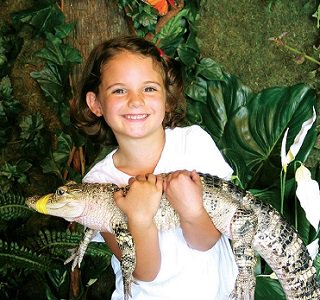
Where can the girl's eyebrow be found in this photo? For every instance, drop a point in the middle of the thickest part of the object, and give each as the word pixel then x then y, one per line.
pixel 123 84
pixel 153 82
pixel 113 85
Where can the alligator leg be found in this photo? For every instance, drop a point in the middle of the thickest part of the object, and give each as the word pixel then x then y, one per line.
pixel 128 258
pixel 78 253
pixel 243 228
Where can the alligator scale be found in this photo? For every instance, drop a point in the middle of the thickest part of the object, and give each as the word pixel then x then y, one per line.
pixel 251 224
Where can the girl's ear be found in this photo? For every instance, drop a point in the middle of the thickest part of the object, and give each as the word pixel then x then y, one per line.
pixel 93 104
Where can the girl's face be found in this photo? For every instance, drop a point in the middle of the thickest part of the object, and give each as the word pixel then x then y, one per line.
pixel 131 96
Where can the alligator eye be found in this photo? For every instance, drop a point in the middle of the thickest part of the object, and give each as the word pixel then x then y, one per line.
pixel 60 192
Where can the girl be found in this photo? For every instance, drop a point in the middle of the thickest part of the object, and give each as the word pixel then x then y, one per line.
pixel 130 93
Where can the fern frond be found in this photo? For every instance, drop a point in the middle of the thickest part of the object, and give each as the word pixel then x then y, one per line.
pixel 54 242
pixel 99 249
pixel 12 206
pixel 58 243
pixel 22 257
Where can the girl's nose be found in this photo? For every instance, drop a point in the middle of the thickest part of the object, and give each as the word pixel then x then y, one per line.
pixel 136 99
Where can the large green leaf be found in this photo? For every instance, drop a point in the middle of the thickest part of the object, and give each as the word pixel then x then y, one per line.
pixel 43 16
pixel 249 128
pixel 197 89
pixel 223 99
pixel 268 289
pixel 52 82
pixel 172 34
pixel 59 53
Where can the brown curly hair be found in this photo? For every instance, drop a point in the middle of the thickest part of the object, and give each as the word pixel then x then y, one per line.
pixel 170 70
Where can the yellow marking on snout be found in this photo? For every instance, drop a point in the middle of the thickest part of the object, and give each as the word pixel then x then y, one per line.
pixel 41 204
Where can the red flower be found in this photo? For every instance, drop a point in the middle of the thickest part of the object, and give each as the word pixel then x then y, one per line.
pixel 160 5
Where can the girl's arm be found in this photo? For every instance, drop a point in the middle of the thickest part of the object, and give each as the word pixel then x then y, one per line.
pixel 184 191
pixel 140 205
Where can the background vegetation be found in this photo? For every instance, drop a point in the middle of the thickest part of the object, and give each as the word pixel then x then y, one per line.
pixel 40 149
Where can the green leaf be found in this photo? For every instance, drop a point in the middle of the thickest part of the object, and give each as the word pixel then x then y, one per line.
pixel 23 166
pixel 303 224
pixel 44 16
pixel 268 196
pixel 187 55
pixel 64 114
pixel 58 277
pixel 5 87
pixel 52 52
pixel 268 288
pixel 145 17
pixel 64 148
pixel 10 108
pixel 35 139
pixel 223 99
pixel 31 125
pixel 63 30
pixel 19 256
pixel 13 174
pixel 192 43
pixel 71 55
pixel 51 82
pixel 58 53
pixel 209 69
pixel 193 113
pixel 48 165
pixel 171 35
pixel 197 90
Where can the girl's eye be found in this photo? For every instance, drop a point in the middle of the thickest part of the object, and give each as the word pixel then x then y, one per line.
pixel 118 91
pixel 149 89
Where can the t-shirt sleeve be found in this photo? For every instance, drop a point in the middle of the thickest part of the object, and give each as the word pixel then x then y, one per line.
pixel 94 175
pixel 205 154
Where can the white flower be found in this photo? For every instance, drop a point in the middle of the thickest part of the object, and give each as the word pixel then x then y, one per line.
pixel 308 194
pixel 313 248
pixel 297 143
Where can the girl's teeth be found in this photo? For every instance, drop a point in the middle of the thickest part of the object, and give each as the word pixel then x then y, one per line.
pixel 136 117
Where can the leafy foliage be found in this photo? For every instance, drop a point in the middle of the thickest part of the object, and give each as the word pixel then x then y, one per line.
pixel 29 147
pixel 53 79
pixel 9 109
pixel 143 16
pixel 13 206
pixel 45 253
pixel 247 127
pixel 34 135
pixel 43 17
pixel 12 174
pixel 19 256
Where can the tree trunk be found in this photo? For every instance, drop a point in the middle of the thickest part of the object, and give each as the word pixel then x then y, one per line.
pixel 95 21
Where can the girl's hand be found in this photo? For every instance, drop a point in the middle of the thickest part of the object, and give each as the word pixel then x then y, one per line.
pixel 140 205
pixel 142 200
pixel 184 191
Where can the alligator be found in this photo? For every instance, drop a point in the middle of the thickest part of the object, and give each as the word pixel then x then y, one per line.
pixel 251 225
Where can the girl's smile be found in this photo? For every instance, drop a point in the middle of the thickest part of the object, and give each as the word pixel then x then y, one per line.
pixel 136 117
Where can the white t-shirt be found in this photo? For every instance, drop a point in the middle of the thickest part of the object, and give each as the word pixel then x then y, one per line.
pixel 185 273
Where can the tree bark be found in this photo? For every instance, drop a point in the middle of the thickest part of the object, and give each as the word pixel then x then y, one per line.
pixel 95 21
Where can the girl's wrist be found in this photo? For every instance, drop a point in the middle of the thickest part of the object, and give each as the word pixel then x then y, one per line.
pixel 141 222
pixel 194 216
